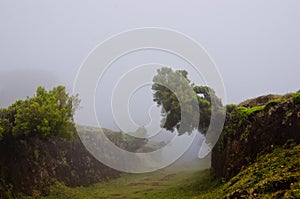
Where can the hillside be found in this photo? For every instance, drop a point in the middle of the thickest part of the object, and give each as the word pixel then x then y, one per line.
pixel 274 175
pixel 257 156
pixel 255 127
pixel 171 182
pixel 29 166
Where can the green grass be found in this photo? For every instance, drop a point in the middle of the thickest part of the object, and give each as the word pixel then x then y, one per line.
pixel 275 175
pixel 160 184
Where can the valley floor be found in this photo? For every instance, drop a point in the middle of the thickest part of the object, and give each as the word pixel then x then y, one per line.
pixel 274 175
pixel 160 184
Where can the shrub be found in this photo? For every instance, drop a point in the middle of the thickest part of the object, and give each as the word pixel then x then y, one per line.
pixel 47 114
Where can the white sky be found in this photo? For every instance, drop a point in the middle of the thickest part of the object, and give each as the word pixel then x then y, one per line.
pixel 255 44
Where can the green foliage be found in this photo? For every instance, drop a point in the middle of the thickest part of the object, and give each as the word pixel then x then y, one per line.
pixel 5 122
pixel 172 89
pixel 250 111
pixel 47 114
pixel 230 107
pixel 296 97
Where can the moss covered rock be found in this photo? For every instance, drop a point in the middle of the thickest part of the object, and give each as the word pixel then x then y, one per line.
pixel 255 127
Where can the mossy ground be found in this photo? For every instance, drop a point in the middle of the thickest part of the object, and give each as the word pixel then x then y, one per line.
pixel 275 175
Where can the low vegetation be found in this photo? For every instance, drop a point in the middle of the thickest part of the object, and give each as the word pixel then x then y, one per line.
pixel 274 175
pixel 47 114
pixel 165 183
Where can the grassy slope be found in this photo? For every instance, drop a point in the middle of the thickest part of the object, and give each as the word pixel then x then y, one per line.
pixel 275 175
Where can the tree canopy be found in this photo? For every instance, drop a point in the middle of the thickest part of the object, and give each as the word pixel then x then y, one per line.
pixel 175 93
pixel 47 114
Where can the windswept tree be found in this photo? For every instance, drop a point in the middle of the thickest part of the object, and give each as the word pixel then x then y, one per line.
pixel 47 114
pixel 174 92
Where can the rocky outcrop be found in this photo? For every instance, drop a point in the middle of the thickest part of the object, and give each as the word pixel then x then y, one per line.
pixel 34 164
pixel 255 127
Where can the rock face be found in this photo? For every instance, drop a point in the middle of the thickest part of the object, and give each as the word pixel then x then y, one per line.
pixel 34 164
pixel 255 127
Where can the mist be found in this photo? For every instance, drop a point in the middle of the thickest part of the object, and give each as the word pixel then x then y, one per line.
pixel 44 44
pixel 22 83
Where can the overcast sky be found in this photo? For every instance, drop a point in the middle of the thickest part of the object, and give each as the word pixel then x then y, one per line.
pixel 255 44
